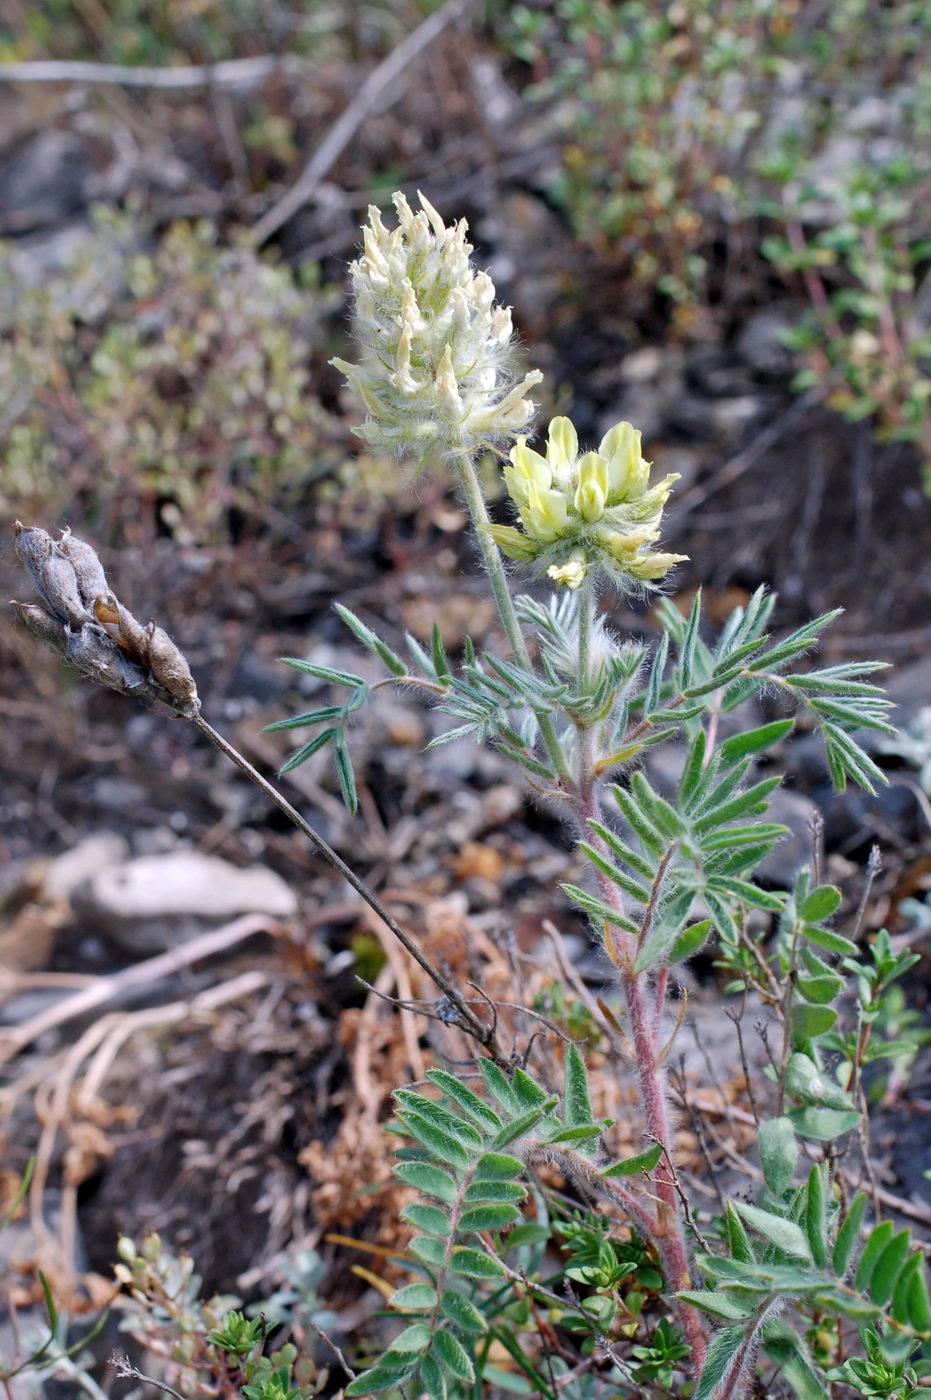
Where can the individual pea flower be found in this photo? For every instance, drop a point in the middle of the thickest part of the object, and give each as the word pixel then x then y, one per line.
pixel 437 364
pixel 579 512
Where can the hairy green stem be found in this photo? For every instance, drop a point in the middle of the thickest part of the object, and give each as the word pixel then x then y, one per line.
pixel 494 568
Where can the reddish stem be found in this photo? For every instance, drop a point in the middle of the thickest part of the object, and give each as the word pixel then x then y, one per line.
pixel 669 1231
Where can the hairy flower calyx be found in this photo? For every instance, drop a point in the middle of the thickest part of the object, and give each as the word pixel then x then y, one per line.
pixel 594 510
pixel 437 364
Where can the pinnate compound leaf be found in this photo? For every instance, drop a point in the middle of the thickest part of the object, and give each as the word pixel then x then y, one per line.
pixel 779 1153
pixel 784 1234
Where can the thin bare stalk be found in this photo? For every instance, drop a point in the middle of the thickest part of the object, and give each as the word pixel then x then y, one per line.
pixel 466 1016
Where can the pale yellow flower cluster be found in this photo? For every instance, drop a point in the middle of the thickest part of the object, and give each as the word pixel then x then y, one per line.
pixel 597 509
pixel 437 364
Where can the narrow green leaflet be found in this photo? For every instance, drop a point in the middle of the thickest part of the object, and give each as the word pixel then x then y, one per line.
pixel 633 1166
pixel 784 1234
pixel 428 1179
pixel 779 1153
pixel 577 1108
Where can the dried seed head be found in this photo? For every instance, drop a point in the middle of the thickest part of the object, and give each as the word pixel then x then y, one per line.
pixel 107 644
pixel 41 624
pixel 92 581
pixel 169 668
pixel 119 623
pixel 92 652
pixel 52 575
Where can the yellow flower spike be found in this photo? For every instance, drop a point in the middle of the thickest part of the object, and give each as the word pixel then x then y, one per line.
pixel 546 515
pixel 562 447
pixel 592 490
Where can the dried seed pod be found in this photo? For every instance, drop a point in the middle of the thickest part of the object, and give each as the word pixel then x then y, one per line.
pixel 92 581
pixel 33 547
pixel 52 574
pixel 169 668
pixel 41 624
pixel 119 623
pixel 92 651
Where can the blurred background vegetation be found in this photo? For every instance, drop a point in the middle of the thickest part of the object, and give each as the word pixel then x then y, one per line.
pixel 701 209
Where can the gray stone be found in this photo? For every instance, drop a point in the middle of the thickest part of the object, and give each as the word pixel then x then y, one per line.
pixel 788 856
pixel 182 885
pixel 909 687
pixel 71 869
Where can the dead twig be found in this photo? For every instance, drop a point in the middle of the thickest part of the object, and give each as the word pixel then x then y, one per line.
pixel 232 73
pixel 106 989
